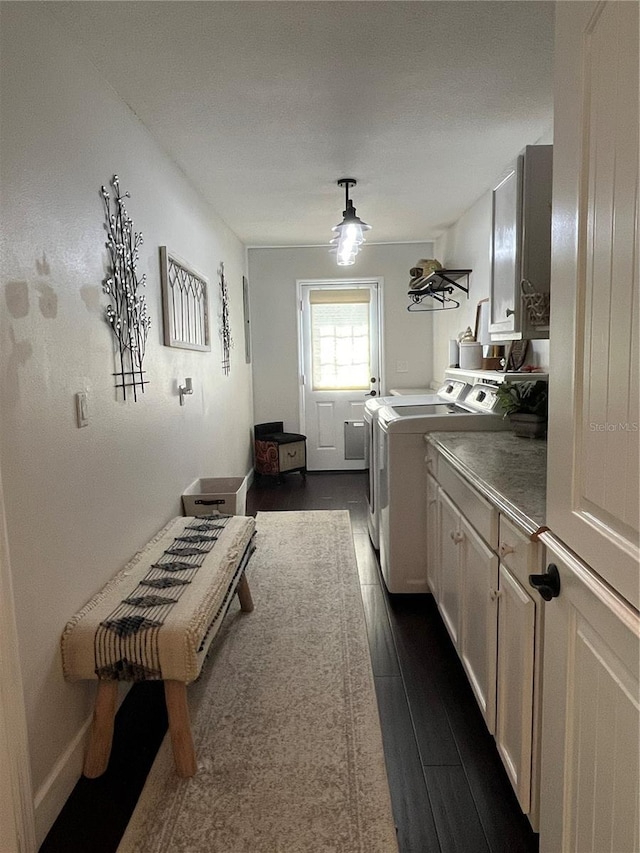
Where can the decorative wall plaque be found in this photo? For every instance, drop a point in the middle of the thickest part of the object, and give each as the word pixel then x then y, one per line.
pixel 185 300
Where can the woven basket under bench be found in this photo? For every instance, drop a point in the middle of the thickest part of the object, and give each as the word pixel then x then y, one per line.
pixel 155 620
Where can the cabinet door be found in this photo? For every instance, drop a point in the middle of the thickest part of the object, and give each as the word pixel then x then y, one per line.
pixel 590 792
pixel 516 657
pixel 433 556
pixel 449 575
pixel 593 462
pixel 479 625
pixel 505 252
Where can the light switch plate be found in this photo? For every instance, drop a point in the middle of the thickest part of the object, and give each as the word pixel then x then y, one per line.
pixel 82 409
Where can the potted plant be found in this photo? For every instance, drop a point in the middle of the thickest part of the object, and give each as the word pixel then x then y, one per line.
pixel 526 406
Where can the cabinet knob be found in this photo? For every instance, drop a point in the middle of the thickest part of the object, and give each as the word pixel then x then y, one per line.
pixel 510 312
pixel 506 549
pixel 456 536
pixel 494 594
pixel 548 584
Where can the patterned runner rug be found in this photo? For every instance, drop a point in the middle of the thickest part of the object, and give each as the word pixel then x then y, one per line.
pixel 284 715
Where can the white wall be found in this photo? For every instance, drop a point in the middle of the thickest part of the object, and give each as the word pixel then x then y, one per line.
pixel 80 502
pixel 467 245
pixel 272 279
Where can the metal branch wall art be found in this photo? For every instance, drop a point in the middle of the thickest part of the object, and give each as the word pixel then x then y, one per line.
pixel 225 330
pixel 126 314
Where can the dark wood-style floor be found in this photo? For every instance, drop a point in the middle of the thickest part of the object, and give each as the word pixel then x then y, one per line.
pixel 449 791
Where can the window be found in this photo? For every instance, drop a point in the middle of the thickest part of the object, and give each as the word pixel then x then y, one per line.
pixel 340 339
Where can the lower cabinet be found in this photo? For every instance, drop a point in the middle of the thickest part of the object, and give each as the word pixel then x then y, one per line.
pixel 466 596
pixel 479 629
pixel 520 614
pixel 591 718
pixel 432 537
pixel 479 578
pixel 449 571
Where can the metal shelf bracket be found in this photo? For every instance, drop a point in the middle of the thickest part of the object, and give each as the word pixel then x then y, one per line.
pixel 439 285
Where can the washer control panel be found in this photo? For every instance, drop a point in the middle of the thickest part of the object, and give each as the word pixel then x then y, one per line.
pixel 453 390
pixel 483 398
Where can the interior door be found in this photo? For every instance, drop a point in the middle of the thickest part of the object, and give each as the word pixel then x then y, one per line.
pixel 593 498
pixel 340 369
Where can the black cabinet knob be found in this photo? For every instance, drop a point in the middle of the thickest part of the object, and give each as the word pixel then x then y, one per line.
pixel 548 584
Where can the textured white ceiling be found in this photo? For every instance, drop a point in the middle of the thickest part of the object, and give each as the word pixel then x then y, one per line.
pixel 264 105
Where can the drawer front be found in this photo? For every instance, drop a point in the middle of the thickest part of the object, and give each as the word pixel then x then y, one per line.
pixel 522 556
pixel 478 511
pixel 292 455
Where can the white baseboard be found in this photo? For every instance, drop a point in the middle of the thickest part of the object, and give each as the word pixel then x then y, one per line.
pixel 56 788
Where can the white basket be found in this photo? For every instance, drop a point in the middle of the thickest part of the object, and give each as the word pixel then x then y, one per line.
pixel 209 495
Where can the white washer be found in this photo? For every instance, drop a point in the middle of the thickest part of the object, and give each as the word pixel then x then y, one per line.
pixel 452 391
pixel 403 486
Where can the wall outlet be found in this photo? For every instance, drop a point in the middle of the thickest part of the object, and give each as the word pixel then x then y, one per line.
pixel 402 367
pixel 82 409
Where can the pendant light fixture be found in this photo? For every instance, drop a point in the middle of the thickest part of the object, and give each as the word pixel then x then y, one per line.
pixel 349 235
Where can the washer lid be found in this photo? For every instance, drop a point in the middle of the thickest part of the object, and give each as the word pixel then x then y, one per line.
pixel 373 404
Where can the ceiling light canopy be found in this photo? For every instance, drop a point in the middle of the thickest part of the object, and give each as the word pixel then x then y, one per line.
pixel 349 234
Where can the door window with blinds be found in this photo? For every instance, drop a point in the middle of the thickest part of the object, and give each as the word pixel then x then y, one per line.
pixel 340 339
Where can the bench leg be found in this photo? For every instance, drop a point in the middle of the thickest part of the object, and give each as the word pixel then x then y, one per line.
pixel 244 594
pixel 175 694
pixel 101 729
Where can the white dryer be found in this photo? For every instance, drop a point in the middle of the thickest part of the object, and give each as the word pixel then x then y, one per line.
pixel 402 481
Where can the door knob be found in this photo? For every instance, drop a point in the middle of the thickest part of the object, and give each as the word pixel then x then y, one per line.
pixel 548 584
pixel 371 394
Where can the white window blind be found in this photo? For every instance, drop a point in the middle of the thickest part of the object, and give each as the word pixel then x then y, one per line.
pixel 340 342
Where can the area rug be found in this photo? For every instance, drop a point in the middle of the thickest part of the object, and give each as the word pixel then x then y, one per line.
pixel 284 715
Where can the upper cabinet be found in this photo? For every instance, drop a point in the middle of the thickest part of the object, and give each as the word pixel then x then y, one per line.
pixel 521 248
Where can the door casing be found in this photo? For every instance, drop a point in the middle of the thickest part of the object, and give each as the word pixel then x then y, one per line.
pixel 335 284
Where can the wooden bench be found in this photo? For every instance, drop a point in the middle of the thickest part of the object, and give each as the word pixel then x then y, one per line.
pixel 155 620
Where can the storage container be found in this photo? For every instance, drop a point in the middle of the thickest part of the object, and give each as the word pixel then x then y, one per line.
pixel 470 355
pixel 209 495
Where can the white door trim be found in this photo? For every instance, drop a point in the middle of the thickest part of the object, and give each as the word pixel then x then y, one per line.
pixel 335 283
pixel 16 797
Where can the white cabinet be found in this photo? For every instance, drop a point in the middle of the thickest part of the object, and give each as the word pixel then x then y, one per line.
pixel 433 536
pixel 590 792
pixel 449 581
pixel 520 624
pixel 521 247
pixel 467 583
pixel 480 581
pixel 479 634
